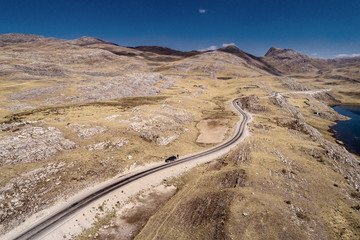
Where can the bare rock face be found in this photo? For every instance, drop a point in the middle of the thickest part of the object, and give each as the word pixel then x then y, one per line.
pixel 32 144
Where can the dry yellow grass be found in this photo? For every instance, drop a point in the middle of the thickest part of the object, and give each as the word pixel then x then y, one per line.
pixel 279 192
pixel 287 193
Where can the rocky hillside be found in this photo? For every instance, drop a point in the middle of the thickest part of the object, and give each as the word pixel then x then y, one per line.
pixel 74 113
pixel 251 59
pixel 290 61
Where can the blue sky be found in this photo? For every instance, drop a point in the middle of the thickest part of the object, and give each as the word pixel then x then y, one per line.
pixel 318 28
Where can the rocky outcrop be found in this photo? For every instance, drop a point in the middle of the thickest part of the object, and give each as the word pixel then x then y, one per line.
pixel 281 101
pixel 163 141
pixel 23 195
pixel 136 84
pixel 345 162
pixel 84 131
pixel 108 145
pixel 32 144
pixel 251 103
pixel 297 125
pixel 168 119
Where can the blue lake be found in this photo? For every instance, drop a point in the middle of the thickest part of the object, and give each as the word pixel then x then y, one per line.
pixel 349 131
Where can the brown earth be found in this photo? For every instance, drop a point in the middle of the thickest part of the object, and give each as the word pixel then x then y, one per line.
pixel 212 130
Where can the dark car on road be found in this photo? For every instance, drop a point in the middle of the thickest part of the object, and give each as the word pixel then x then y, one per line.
pixel 170 159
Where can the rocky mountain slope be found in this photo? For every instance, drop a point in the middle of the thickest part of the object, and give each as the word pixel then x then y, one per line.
pixel 251 59
pixel 290 61
pixel 74 113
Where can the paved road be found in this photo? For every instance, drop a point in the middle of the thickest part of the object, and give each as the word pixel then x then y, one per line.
pixel 55 219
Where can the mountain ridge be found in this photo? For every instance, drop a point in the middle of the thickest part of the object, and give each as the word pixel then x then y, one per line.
pixel 276 61
pixel 13 38
pixel 78 112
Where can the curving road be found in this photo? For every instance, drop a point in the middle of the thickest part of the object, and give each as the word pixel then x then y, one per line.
pixel 53 220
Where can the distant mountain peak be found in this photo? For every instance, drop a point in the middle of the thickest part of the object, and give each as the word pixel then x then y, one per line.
pixel 289 53
pixel 231 49
pixel 235 50
pixel 290 61
pixel 272 50
pixel 276 51
pixel 85 40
